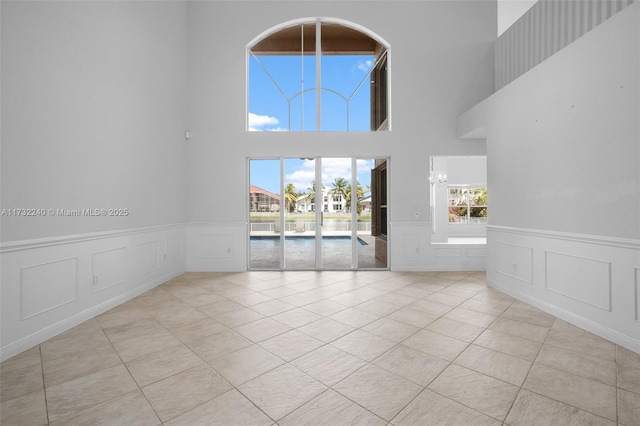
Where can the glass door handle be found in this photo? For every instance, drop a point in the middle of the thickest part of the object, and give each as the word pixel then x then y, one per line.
pixel 321 218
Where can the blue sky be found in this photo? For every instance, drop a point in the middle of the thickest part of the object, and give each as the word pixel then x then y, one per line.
pixel 301 172
pixel 271 93
pixel 268 111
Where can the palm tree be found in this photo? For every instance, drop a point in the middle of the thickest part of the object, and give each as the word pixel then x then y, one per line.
pixel 290 197
pixel 340 186
pixel 359 196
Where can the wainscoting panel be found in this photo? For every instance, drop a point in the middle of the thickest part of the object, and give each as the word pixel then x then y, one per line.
pixel 415 252
pixel 217 246
pixel 53 284
pixel 587 280
pixel 47 286
pixel 564 271
pixel 175 250
pixel 514 261
pixel 109 268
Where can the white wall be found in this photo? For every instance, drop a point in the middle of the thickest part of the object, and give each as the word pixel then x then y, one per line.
pixel 563 150
pixel 93 117
pixel 93 114
pixel 441 64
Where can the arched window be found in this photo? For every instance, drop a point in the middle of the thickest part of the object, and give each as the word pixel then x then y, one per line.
pixel 318 74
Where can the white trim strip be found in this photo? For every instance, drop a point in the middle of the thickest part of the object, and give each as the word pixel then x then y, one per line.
pixel 580 238
pixel 67 239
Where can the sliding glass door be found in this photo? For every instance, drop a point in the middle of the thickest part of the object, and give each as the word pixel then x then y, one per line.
pixel 315 213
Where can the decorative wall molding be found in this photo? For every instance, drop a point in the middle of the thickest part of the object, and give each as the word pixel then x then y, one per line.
pixel 66 239
pixel 585 238
pixel 50 285
pixel 588 280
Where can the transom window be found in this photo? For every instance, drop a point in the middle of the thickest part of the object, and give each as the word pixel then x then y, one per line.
pixel 318 75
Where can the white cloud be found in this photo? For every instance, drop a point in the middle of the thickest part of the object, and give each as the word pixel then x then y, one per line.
pixel 365 65
pixel 332 168
pixel 262 123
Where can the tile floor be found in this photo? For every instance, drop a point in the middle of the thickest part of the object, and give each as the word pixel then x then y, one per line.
pixel 332 348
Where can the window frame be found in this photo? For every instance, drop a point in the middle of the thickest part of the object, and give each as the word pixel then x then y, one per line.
pixel 380 102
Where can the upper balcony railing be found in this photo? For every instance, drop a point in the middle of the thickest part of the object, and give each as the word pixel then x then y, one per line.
pixel 546 28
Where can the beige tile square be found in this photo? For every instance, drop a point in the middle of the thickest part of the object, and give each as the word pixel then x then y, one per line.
pixel 29 409
pixel 69 398
pixel 628 408
pixel 129 409
pixel 430 307
pixel 379 391
pixel 364 345
pixel 390 329
pixel 282 390
pixel 179 393
pixel 222 307
pixel 272 307
pixel 250 299
pixel 83 337
pixel 495 364
pixel 328 364
pixel 522 312
pixel 411 364
pixel 456 329
pixel 16 382
pixel 71 367
pixel 378 308
pixel 190 293
pixel 579 364
pixel 429 408
pixel 570 337
pixel 470 317
pixel 508 344
pixel 446 299
pixel 459 291
pixel 412 317
pixel 123 314
pixel 494 296
pixel 133 330
pixel 262 329
pixel 176 314
pixel 331 408
pixel 143 345
pixel 219 344
pixel 198 330
pixel 628 369
pixel 531 409
pixel 354 317
pixel 230 408
pixel 490 396
pixel 397 299
pixel 240 317
pixel 296 317
pixel 325 307
pixel 495 309
pixel 162 364
pixel 27 358
pixel 326 329
pixel 520 329
pixel 245 364
pixel 588 395
pixel 436 344
pixel 291 345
